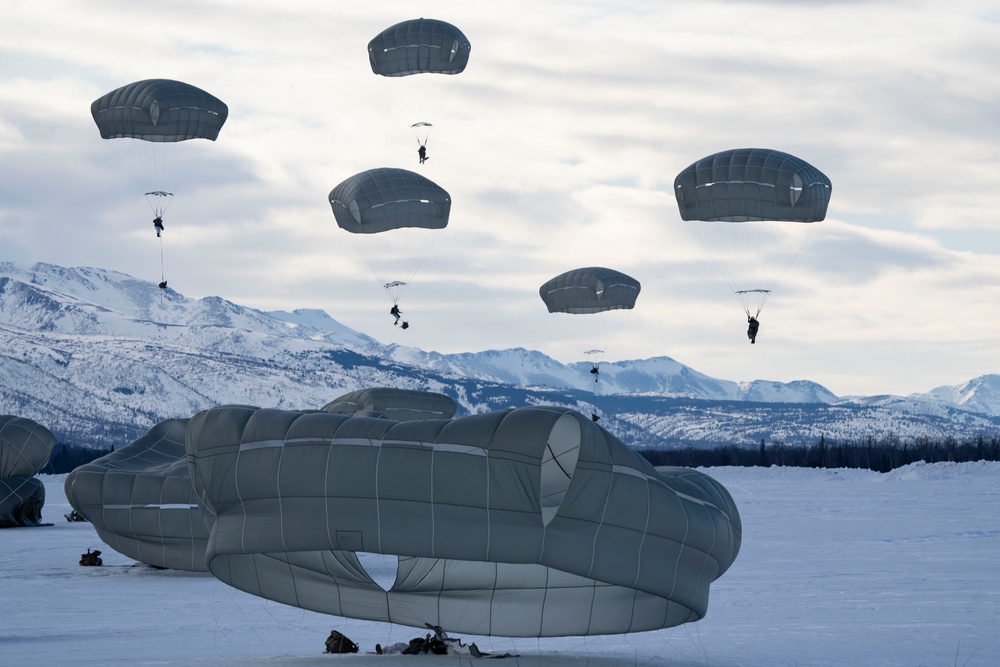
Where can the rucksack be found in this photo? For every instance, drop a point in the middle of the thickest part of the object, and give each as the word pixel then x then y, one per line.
pixel 338 643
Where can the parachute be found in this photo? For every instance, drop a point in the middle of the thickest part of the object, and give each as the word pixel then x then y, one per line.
pixel 141 501
pixel 409 54
pixel 391 215
pixel 531 522
pixel 591 291
pixel 397 404
pixel 155 123
pixel 25 448
pixel 749 208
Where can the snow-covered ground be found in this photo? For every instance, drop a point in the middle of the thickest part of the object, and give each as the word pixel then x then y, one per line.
pixel 838 567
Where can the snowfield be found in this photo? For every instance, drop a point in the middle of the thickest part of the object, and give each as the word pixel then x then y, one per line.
pixel 838 567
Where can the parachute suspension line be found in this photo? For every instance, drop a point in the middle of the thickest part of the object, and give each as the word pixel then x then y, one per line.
pixel 161 260
pixel 394 257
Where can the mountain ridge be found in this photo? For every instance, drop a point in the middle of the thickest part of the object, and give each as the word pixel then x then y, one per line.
pixel 94 351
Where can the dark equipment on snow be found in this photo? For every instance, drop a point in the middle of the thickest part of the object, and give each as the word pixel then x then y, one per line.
pixel 75 516
pixel 338 643
pixel 91 559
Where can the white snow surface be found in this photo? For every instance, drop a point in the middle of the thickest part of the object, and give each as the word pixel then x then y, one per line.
pixel 838 567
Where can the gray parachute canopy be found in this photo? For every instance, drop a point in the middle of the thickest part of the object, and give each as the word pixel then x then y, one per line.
pixel 398 404
pixel 419 46
pixel 141 500
pixel 159 110
pixel 592 289
pixel 384 199
pixel 25 448
pixel 745 207
pixel 529 522
pixel 748 184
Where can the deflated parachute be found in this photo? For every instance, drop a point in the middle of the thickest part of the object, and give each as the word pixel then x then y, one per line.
pixel 25 447
pixel 530 522
pixel 749 208
pixel 398 404
pixel 141 501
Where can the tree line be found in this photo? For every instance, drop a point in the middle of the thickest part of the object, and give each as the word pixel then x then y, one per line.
pixel 65 458
pixel 880 455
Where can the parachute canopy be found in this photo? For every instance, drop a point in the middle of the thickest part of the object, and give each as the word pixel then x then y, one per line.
pixel 590 290
pixel 747 184
pixel 398 404
pixel 529 522
pixel 419 46
pixel 748 207
pixel 159 110
pixel 379 200
pixel 392 215
pixel 141 501
pixel 25 448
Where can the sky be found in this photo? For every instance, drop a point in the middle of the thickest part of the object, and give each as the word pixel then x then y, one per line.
pixel 558 145
pixel 837 567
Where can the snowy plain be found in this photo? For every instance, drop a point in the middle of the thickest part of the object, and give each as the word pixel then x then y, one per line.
pixel 838 567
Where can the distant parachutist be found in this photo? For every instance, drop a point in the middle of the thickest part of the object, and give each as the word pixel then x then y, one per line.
pixel 422 152
pixel 752 328
pixel 158 225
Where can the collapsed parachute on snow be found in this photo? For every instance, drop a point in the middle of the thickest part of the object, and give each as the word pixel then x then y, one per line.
pixel 750 209
pixel 141 501
pixel 25 448
pixel 530 522
pixel 391 214
pixel 397 404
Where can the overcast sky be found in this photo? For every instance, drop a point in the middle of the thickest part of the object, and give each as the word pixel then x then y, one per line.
pixel 559 145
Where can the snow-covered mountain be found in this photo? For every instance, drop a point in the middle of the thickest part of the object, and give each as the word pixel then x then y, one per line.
pixel 99 356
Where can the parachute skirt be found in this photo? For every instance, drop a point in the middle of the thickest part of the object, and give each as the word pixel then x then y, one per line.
pixel 530 522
